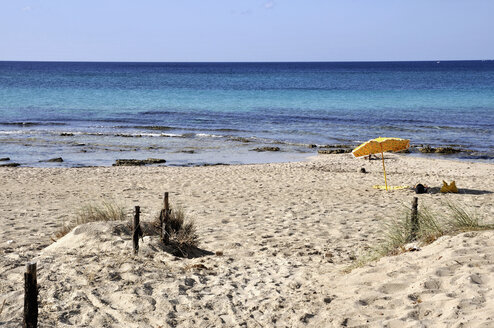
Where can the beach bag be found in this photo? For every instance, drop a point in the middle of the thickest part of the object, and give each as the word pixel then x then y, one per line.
pixel 448 187
pixel 420 189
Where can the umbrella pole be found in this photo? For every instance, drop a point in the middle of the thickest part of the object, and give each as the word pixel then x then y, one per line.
pixel 384 169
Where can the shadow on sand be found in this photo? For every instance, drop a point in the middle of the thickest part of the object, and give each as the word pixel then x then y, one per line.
pixel 189 252
pixel 435 190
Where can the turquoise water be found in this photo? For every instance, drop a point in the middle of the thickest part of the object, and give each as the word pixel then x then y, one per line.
pixel 193 113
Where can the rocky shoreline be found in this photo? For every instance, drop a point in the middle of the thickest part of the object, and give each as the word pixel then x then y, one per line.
pixel 449 151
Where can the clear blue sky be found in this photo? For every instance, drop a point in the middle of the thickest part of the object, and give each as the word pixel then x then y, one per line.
pixel 246 30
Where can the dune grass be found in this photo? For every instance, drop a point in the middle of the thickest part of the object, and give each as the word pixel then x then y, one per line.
pixel 93 212
pixel 398 233
pixel 463 220
pixel 183 233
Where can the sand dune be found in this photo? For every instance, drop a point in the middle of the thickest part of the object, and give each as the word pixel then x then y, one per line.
pixel 286 232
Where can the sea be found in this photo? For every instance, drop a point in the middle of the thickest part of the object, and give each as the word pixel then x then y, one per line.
pixel 93 113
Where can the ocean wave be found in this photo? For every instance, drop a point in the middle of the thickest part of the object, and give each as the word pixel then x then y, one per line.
pixel 157 112
pixel 226 130
pixel 152 135
pixel 206 135
pixel 10 132
pixel 153 127
pixel 201 135
pixel 171 135
pixel 457 128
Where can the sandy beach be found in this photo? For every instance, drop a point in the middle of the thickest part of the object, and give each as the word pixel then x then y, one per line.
pixel 280 237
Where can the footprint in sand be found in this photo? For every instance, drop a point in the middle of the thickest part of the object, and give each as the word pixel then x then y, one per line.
pixel 392 288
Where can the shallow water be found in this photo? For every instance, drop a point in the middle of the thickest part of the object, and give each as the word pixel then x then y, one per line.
pixel 190 114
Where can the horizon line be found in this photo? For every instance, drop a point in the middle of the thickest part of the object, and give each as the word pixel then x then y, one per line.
pixel 243 62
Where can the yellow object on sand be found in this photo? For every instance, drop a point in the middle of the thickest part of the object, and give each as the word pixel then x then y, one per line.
pixel 390 187
pixel 380 145
pixel 449 187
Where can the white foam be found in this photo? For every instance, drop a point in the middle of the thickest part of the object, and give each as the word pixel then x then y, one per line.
pixel 206 135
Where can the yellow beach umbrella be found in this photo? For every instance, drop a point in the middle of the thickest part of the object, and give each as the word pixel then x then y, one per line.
pixel 380 145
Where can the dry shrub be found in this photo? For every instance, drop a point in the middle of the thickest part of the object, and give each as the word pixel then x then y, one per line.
pixel 106 211
pixel 183 234
pixel 176 220
pixel 186 235
pixel 64 229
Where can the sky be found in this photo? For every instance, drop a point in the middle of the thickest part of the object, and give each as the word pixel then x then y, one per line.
pixel 246 30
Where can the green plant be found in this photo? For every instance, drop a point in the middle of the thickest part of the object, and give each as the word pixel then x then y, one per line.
pixel 431 226
pixel 462 220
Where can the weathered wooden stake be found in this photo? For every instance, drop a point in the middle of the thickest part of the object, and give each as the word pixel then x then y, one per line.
pixel 165 227
pixel 162 217
pixel 137 229
pixel 414 218
pixel 30 297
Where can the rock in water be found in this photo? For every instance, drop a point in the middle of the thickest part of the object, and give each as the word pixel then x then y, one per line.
pixel 333 151
pixel 138 162
pixel 427 150
pixel 10 164
pixel 53 160
pixel 266 149
pixel 155 161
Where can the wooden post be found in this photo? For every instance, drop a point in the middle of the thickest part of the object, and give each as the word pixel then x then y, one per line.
pixel 162 216
pixel 30 297
pixel 165 227
pixel 137 229
pixel 414 218
pixel 165 203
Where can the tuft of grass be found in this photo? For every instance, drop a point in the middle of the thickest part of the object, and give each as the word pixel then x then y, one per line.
pixel 462 220
pixel 183 232
pixel 430 227
pixel 176 220
pixel 106 211
pixel 186 236
pixel 398 233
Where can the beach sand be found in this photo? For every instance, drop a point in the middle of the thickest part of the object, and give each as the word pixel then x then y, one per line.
pixel 285 233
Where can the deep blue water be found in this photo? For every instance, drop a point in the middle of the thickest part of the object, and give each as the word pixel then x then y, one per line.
pixel 206 107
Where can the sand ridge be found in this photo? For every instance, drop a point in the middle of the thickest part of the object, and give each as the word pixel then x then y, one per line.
pixel 286 232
